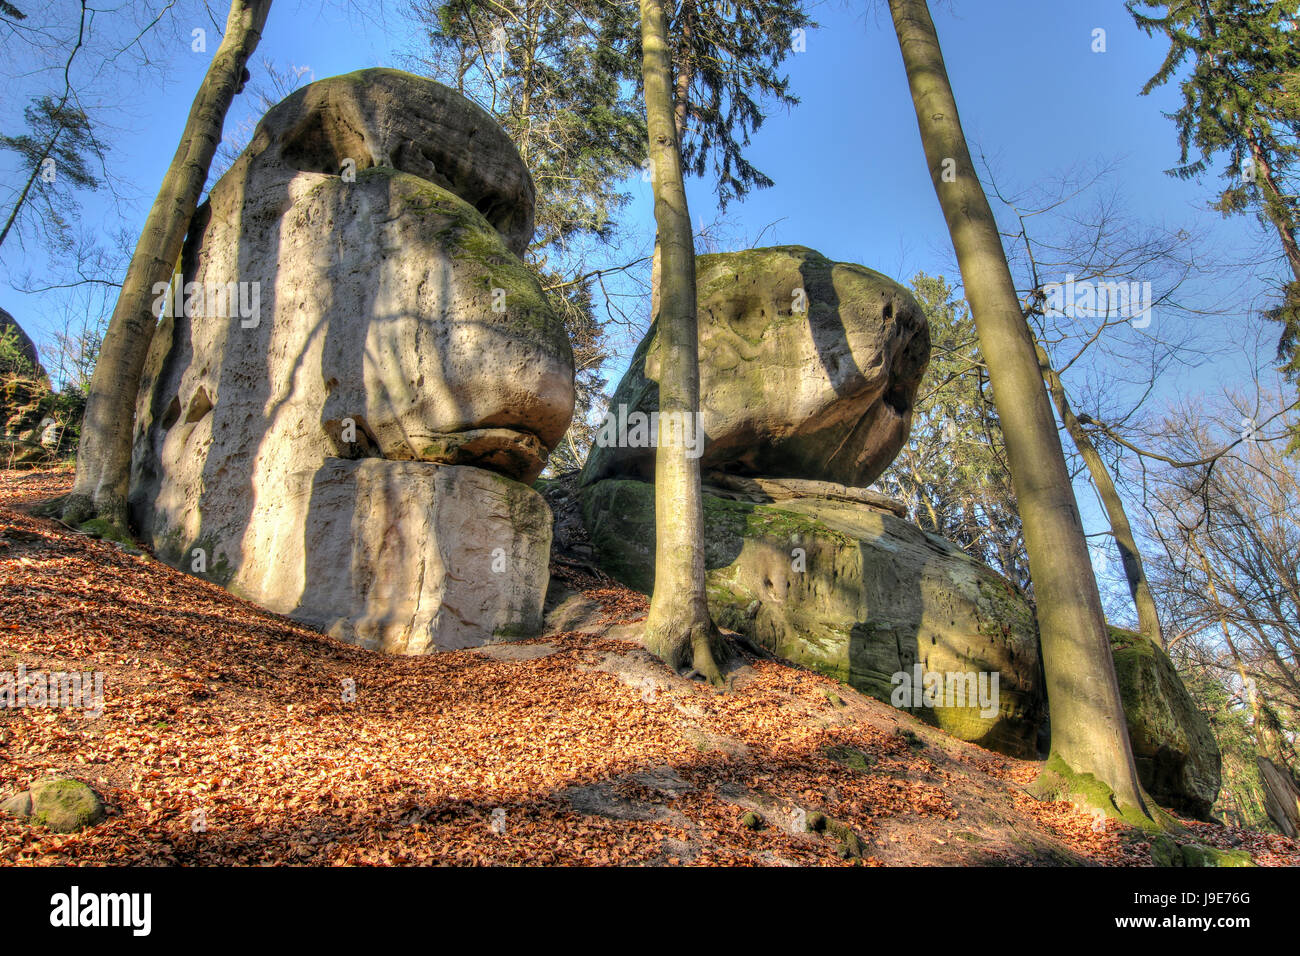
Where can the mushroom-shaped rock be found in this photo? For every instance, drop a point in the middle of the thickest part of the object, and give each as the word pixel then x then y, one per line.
pixel 808 369
pixel 351 292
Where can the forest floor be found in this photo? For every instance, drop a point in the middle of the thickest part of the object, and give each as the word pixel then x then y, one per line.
pixel 225 738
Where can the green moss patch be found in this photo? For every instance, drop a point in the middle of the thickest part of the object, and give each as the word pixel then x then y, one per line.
pixel 105 530
pixel 65 805
pixel 1058 781
pixel 1166 852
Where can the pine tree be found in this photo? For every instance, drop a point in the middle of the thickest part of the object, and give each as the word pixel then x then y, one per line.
pixel 53 154
pixel 726 60
pixel 1241 103
pixel 554 74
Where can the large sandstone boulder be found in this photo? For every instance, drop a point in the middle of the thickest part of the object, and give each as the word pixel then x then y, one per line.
pixel 441 556
pixel 374 222
pixel 849 589
pixel 808 369
pixel 1178 760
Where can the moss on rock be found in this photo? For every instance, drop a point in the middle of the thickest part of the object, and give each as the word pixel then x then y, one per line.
pixel 1177 757
pixel 1166 852
pixel 1058 781
pixel 105 530
pixel 850 591
pixel 59 803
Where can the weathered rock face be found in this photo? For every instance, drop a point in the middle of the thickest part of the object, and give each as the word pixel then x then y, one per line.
pixel 852 591
pixel 405 557
pixel 808 369
pixel 387 118
pixel 25 399
pixel 25 405
pixel 26 347
pixel 1178 760
pixel 383 316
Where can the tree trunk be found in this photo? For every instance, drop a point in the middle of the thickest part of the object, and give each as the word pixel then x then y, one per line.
pixel 1281 798
pixel 104 457
pixel 1273 203
pixel 685 72
pixel 1089 732
pixel 27 187
pixel 678 629
pixel 1134 571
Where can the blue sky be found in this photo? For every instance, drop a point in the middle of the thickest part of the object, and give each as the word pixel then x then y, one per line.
pixel 850 175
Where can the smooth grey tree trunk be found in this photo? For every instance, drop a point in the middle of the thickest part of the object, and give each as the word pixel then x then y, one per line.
pixel 1134 569
pixel 104 456
pixel 678 628
pixel 1089 732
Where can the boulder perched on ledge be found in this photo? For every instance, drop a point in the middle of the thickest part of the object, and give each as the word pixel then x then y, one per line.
pixel 808 369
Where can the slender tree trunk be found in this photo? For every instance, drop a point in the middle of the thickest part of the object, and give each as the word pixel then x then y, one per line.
pixel 1273 200
pixel 27 187
pixel 685 71
pixel 1089 732
pixel 1134 571
pixel 678 629
pixel 104 457
pixel 54 138
pixel 681 94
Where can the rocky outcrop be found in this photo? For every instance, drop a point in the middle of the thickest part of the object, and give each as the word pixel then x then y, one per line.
pixel 1178 760
pixel 24 347
pixel 342 408
pixel 28 433
pixel 855 592
pixel 808 369
pixel 26 436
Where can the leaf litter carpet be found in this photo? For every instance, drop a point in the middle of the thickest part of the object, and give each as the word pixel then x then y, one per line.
pixel 230 735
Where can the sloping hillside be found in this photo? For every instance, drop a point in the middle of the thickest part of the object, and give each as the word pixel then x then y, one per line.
pixel 577 748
